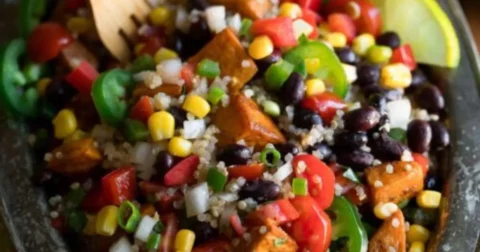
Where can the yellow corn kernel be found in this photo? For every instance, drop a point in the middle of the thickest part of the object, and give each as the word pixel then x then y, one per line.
pixel 64 123
pixel 161 125
pixel 417 233
pixel 261 47
pixel 336 39
pixel 362 43
pixel 323 29
pixel 90 227
pixel 180 147
pixel 164 54
pixel 396 76
pixel 76 135
pixel 184 240
pixel 312 65
pixel 42 85
pixel 429 199
pixel 138 48
pixel 197 106
pixel 291 10
pixel 159 16
pixel 79 25
pixel 385 210
pixel 417 247
pixel 106 221
pixel 314 86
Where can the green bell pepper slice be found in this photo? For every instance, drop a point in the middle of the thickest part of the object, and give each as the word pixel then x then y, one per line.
pixel 330 67
pixel 347 224
pixel 31 13
pixel 18 98
pixel 108 94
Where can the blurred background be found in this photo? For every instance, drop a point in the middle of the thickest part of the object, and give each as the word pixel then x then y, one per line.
pixel 471 9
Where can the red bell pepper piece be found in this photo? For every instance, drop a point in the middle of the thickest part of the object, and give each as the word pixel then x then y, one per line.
pixel 182 172
pixel 142 110
pixel 73 5
pixel 422 161
pixel 325 104
pixel 47 41
pixel 280 211
pixel 168 236
pixel 313 5
pixel 94 200
pixel 342 23
pixel 82 77
pixel 220 245
pixel 249 172
pixel 237 224
pixel 187 74
pixel 404 54
pixel 120 185
pixel 165 200
pixel 370 20
pixel 279 30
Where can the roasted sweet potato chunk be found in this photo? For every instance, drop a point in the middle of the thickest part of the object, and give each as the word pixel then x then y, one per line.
pixel 243 119
pixel 78 157
pixel 390 235
pixel 254 9
pixel 225 48
pixel 169 89
pixel 394 182
pixel 273 240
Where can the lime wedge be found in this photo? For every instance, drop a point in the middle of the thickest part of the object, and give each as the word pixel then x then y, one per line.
pixel 424 25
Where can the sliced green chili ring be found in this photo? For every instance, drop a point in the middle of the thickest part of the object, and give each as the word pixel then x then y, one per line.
pixel 273 153
pixel 159 227
pixel 216 179
pixel 19 101
pixel 33 72
pixel 143 63
pixel 277 74
pixel 135 130
pixel 153 241
pixel 31 13
pixel 108 92
pixel 128 216
pixel 76 220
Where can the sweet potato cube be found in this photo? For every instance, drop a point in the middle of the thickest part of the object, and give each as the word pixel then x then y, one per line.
pixel 274 239
pixel 254 9
pixel 75 158
pixel 390 235
pixel 169 89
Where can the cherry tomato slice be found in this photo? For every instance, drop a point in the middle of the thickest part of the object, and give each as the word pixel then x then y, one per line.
pixel 370 20
pixel 280 211
pixel 120 185
pixel 325 104
pixel 47 41
pixel 342 23
pixel 404 54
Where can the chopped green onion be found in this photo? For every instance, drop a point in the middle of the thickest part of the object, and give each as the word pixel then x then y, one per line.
pixel 76 220
pixel 271 108
pixel 143 63
pixel 135 130
pixel 398 134
pixel 128 216
pixel 350 174
pixel 300 186
pixel 403 203
pixel 74 198
pixel 268 153
pixel 277 74
pixel 216 179
pixel 215 94
pixel 153 241
pixel 245 27
pixel 159 227
pixel 208 68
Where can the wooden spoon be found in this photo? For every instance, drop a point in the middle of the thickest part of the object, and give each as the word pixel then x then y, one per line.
pixel 116 22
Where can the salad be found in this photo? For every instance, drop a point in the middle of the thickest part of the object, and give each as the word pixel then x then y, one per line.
pixel 249 125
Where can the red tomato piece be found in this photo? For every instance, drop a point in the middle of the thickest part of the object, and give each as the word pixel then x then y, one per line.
pixel 82 78
pixel 120 185
pixel 313 229
pixel 370 20
pixel 321 180
pixel 94 200
pixel 213 246
pixel 142 110
pixel 313 5
pixel 165 200
pixel 151 46
pixel 325 104
pixel 313 19
pixel 249 172
pixel 73 5
pixel 280 211
pixel 422 161
pixel 237 224
pixel 187 74
pixel 168 236
pixel 404 54
pixel 339 22
pixel 182 172
pixel 279 30
pixel 46 42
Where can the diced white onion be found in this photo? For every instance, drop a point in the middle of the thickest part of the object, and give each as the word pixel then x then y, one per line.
pixel 215 16
pixel 301 27
pixel 228 197
pixel 283 172
pixel 122 245
pixel 145 228
pixel 196 199
pixel 181 20
pixel 194 128
pixel 399 113
pixel 235 22
pixel 170 70
pixel 141 152
pixel 350 72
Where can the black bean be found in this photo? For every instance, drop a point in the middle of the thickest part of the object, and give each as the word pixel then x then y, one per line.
pixel 305 118
pixel 432 182
pixel 430 98
pixel 199 4
pixel 351 140
pixel 367 74
pixel 385 148
pixel 293 90
pixel 378 101
pixel 346 55
pixel 264 63
pixel 361 119
pixel 419 135
pixel 164 163
pixel 260 190
pixel 203 231
pixel 418 78
pixel 420 216
pixel 323 150
pixel 199 31
pixel 390 39
pixel 179 115
pixel 287 148
pixel 371 90
pixel 357 159
pixel 58 93
pixel 235 154
pixel 440 135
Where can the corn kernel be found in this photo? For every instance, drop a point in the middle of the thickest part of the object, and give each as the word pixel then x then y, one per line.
pixel 336 39
pixel 184 240
pixel 385 210
pixel 362 43
pixel 312 65
pixel 164 54
pixel 417 233
pixel 396 76
pixel 379 54
pixel 314 86
pixel 180 147
pixel 159 16
pixel 323 29
pixel 64 123
pixel 90 227
pixel 429 199
pixel 138 48
pixel 79 25
pixel 42 85
pixel 260 47
pixel 196 105
pixel 76 135
pixel 106 221
pixel 291 10
pixel 161 125
pixel 417 247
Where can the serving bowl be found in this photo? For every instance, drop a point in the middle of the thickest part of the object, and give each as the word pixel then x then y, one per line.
pixel 24 207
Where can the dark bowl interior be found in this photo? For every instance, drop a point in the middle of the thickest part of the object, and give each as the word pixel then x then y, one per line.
pixel 25 210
